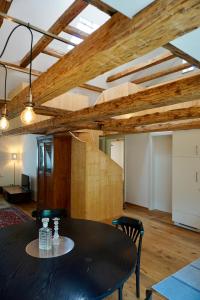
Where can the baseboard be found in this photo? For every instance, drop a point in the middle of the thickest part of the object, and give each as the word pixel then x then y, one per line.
pixel 187 227
pixel 135 205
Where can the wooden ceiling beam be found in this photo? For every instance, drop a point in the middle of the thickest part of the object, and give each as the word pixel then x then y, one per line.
pixel 142 66
pixel 50 111
pixel 124 125
pixel 162 73
pixel 173 92
pixel 4 7
pixel 91 87
pixel 171 126
pixel 15 67
pixel 151 118
pixel 102 6
pixel 56 28
pixel 177 91
pixel 76 32
pixel 38 73
pixel 53 52
pixel 179 53
pixel 118 41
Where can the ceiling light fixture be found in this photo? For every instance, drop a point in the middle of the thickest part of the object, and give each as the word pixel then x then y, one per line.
pixel 28 115
pixel 4 123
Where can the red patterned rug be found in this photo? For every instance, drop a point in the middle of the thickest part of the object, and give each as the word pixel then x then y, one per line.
pixel 12 216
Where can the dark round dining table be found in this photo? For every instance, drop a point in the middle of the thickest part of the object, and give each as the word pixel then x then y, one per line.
pixel 102 259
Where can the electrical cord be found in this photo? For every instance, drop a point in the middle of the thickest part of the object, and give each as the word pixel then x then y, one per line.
pixel 5 83
pixel 31 50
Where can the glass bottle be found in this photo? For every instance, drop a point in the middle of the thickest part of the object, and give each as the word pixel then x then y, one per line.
pixel 45 235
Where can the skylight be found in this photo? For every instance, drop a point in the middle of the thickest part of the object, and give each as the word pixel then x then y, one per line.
pixel 86 25
pixel 90 19
pixel 190 69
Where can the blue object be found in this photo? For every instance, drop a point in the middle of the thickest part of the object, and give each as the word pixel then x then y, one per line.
pixel 184 284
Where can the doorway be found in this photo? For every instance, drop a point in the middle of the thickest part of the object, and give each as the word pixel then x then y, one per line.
pixel 162 172
pixel 114 148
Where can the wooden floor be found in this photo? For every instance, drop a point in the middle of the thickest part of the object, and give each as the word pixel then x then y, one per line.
pixel 166 248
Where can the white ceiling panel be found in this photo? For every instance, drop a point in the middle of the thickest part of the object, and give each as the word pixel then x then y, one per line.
pixel 189 43
pixel 128 7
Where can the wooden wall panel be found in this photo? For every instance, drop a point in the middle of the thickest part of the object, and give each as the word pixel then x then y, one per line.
pixel 96 186
pixel 104 190
pixel 78 179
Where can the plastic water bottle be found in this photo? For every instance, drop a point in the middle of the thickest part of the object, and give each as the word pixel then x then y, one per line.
pixel 45 235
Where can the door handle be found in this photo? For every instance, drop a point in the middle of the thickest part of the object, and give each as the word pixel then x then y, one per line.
pixel 197 150
pixel 196 176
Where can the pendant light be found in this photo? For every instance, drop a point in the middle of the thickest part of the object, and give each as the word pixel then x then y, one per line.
pixel 4 123
pixel 28 115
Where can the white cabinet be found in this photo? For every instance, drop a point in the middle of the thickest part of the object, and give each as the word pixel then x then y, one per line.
pixel 186 143
pixel 186 185
pixel 186 179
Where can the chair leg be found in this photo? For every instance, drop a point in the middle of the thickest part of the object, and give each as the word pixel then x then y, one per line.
pixel 120 294
pixel 148 294
pixel 137 273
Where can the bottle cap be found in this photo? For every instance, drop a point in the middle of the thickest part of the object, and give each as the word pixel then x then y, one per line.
pixel 45 222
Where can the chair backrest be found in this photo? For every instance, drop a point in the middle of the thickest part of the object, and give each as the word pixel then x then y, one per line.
pixel 133 228
pixel 49 213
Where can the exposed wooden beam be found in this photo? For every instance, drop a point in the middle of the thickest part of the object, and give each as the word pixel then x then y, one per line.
pixel 171 126
pixel 153 118
pixel 177 91
pixel 178 52
pixel 76 32
pixel 4 7
pixel 50 111
pixel 125 125
pixel 102 6
pixel 53 52
pixel 118 41
pixel 162 73
pixel 91 87
pixel 56 28
pixel 38 73
pixel 15 67
pixel 142 66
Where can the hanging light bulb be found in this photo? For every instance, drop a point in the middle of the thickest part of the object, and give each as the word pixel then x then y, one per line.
pixel 28 115
pixel 4 124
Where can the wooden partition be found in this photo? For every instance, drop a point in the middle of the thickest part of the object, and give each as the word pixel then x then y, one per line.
pixel 96 183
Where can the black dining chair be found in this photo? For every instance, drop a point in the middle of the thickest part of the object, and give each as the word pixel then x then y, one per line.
pixel 49 213
pixel 135 230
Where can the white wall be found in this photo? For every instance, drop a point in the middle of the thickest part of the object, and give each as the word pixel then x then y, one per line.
pixel 137 169
pixel 29 160
pixel 162 172
pixel 117 152
pixel 26 148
